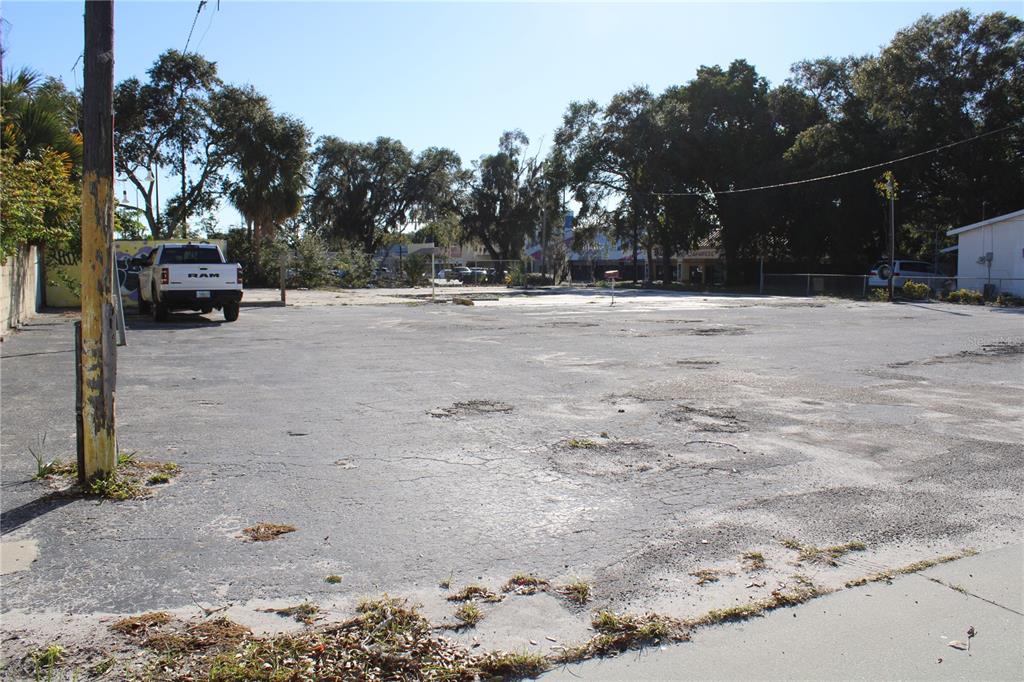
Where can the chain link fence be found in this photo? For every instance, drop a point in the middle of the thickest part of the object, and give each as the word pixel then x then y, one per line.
pixel 860 286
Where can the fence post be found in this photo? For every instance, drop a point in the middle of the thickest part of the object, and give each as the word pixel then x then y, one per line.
pixel 283 273
pixel 864 289
pixel 808 284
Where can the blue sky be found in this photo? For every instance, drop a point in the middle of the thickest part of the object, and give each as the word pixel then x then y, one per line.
pixel 458 74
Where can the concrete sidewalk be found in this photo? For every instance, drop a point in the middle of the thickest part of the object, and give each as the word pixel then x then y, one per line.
pixel 876 632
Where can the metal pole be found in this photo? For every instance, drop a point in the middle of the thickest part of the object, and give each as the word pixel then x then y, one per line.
pixel 433 273
pixel 97 349
pixel 808 284
pixel 115 286
pixel 761 287
pixel 892 238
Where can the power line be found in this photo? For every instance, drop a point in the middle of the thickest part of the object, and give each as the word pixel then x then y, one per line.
pixel 835 175
pixel 208 27
pixel 202 3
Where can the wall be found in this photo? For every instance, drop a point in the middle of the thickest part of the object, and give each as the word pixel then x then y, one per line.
pixel 18 288
pixel 1005 240
pixel 64 270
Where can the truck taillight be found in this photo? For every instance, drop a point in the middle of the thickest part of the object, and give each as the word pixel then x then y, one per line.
pixel 165 276
pixel 239 276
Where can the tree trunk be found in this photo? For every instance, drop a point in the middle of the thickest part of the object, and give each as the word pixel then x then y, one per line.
pixel 666 263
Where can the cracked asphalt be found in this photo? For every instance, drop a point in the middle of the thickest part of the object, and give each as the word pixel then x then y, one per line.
pixel 715 426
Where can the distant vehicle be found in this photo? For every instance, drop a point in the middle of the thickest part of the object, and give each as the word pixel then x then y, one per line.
pixel 459 272
pixel 479 275
pixel 903 270
pixel 188 277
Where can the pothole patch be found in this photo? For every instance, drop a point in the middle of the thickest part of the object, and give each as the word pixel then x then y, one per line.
pixel 719 330
pixel 470 408
pixel 708 420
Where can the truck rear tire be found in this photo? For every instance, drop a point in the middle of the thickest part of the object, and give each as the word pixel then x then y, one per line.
pixel 231 311
pixel 159 310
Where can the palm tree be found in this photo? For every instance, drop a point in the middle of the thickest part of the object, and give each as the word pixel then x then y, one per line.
pixel 270 155
pixel 39 114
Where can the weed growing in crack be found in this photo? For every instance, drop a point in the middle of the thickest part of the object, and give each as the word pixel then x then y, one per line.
pixel 474 593
pixel 522 583
pixel 303 613
pixel 917 566
pixel 333 579
pixel 469 614
pixel 777 599
pixel 135 625
pixel 621 632
pixel 582 444
pixel 576 592
pixel 705 576
pixel 753 561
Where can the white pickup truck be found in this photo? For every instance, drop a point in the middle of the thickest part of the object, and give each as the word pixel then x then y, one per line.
pixel 189 277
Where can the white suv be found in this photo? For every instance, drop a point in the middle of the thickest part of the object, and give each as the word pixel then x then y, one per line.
pixel 902 271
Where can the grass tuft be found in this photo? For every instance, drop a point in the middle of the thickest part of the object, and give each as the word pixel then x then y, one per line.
pixel 302 613
pixel 136 625
pixel 778 599
pixel 45 659
pixel 829 555
pixel 333 579
pixel 522 583
pixel 705 576
pixel 475 593
pixel 621 632
pixel 577 592
pixel 753 561
pixel 512 665
pixel 265 532
pixel 469 614
pixel 582 444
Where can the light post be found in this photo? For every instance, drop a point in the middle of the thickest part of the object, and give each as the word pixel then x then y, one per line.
pixel 151 179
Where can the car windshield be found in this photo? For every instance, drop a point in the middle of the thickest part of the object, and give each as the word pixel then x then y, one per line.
pixel 191 254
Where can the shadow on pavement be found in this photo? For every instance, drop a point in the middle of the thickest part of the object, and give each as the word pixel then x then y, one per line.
pixel 15 518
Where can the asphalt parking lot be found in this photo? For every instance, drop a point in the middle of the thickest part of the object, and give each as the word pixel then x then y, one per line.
pixel 629 445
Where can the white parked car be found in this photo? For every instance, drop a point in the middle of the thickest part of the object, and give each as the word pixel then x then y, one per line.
pixel 189 277
pixel 903 271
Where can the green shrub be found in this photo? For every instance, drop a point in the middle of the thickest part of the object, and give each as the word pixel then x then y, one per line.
pixel 879 294
pixel 415 268
pixel 1009 301
pixel 966 296
pixel 311 265
pixel 916 291
pixel 356 266
pixel 516 275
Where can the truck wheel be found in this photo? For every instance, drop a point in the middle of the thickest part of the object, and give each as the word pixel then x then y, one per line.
pixel 206 310
pixel 144 306
pixel 159 310
pixel 231 311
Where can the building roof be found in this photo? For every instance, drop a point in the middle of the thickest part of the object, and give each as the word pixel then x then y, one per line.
pixel 985 223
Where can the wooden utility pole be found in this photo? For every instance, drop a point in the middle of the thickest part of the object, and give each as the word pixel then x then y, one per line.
pixel 97 377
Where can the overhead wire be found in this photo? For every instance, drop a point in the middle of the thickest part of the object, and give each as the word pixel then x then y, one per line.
pixel 208 27
pixel 202 3
pixel 840 174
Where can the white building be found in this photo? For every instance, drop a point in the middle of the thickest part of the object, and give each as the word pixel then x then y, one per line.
pixel 992 252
